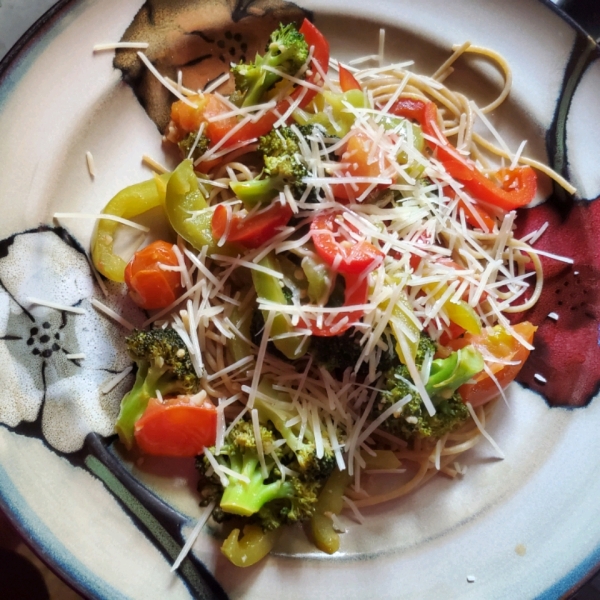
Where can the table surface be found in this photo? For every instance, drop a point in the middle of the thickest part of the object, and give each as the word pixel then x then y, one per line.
pixel 18 564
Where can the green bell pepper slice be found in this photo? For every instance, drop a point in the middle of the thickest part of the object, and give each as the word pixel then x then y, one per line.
pixel 129 203
pixel 187 209
pixel 343 118
pixel 448 374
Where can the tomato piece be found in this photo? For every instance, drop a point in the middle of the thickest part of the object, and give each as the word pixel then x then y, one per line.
pixel 176 427
pixel 347 80
pixel 359 160
pixel 454 331
pixel 357 292
pixel 188 118
pixel 251 231
pixel 344 255
pixel 215 130
pixel 499 343
pixel 151 287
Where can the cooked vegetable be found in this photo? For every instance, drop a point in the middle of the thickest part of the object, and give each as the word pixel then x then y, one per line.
pixel 268 287
pixel 347 80
pixel 187 208
pixel 286 51
pixel 259 488
pixel 163 365
pixel 303 455
pixel 330 502
pixel 251 547
pixel 200 110
pixel 129 203
pixel 412 420
pixel 362 159
pixel 176 427
pixel 499 344
pixel 199 144
pixel 338 249
pixel 250 230
pixel 283 167
pixel 150 285
pixel 513 187
pixel 356 289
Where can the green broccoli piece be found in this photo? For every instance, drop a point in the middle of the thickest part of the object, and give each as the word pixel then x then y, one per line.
pixel 283 166
pixel 336 353
pixel 415 421
pixel 446 376
pixel 340 352
pixel 265 496
pixel 286 51
pixel 163 364
pixel 301 456
pixel 299 507
pixel 186 144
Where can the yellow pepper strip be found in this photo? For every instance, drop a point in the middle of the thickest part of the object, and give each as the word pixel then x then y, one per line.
pixel 127 204
pixel 330 501
pixel 254 545
pixel 463 315
pixel 458 312
pixel 405 327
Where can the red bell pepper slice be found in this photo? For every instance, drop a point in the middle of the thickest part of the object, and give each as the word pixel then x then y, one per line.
pixel 357 291
pixel 251 231
pixel 517 186
pixel 347 80
pixel 320 56
pixel 344 255
pixel 472 212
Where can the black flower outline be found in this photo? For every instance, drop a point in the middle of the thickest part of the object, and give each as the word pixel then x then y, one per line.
pixel 43 378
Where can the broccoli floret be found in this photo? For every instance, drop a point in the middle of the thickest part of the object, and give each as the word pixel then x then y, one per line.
pixel 446 376
pixel 415 422
pixel 263 495
pixel 300 506
pixel 186 144
pixel 300 455
pixel 337 353
pixel 286 51
pixel 283 166
pixel 163 364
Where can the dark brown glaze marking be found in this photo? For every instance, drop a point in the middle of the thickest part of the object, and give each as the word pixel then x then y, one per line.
pixel 566 351
pixel 199 37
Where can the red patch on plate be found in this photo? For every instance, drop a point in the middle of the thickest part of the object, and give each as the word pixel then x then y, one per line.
pixel 567 351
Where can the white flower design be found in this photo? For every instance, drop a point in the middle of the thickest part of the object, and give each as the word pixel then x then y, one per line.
pixel 36 342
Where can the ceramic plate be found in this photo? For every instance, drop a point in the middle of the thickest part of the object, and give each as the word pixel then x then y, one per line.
pixel 522 527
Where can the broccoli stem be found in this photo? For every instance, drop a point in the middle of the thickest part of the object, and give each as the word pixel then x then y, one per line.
pixel 263 84
pixel 134 403
pixel 246 499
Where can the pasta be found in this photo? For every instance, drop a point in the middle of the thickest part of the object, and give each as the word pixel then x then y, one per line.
pixel 399 214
